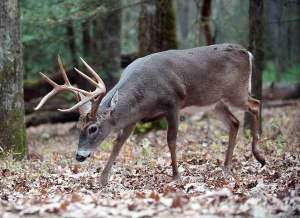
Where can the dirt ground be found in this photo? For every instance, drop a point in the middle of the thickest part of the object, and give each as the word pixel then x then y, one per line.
pixel 53 184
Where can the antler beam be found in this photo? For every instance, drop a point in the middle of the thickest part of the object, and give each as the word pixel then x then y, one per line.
pixel 88 96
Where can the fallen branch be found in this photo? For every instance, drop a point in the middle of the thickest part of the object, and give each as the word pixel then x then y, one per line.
pixel 53 105
pixel 280 91
pixel 279 103
pixel 41 117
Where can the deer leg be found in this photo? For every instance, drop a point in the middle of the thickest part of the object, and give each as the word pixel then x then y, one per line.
pixel 118 143
pixel 254 109
pixel 232 123
pixel 172 119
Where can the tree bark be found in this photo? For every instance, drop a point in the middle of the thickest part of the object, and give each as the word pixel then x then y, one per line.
pixel 256 46
pixel 146 33
pixel 183 14
pixel 165 25
pixel 108 35
pixel 282 35
pixel 72 42
pixel 157 27
pixel 86 38
pixel 12 128
pixel 205 22
pixel 273 35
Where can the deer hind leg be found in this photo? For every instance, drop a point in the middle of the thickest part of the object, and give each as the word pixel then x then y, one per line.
pixel 118 143
pixel 172 119
pixel 254 109
pixel 232 123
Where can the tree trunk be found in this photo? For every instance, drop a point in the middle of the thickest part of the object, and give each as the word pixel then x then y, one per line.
pixel 165 25
pixel 273 29
pixel 205 22
pixel 282 35
pixel 108 35
pixel 146 33
pixel 204 33
pixel 72 42
pixel 157 27
pixel 183 14
pixel 256 46
pixel 12 128
pixel 86 49
pixel 86 38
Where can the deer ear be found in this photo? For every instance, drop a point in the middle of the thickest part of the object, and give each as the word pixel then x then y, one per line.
pixel 85 108
pixel 114 100
pixel 113 103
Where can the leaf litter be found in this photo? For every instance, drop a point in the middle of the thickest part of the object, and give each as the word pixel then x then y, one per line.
pixel 52 184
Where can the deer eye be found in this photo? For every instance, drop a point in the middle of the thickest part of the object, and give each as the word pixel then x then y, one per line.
pixel 92 129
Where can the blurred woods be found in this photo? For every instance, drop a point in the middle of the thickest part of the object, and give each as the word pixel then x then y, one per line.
pixel 110 34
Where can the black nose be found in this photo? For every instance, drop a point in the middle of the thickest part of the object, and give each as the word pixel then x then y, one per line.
pixel 80 158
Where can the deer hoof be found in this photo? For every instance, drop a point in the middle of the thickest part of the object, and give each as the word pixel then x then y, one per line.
pixel 176 177
pixel 227 172
pixel 103 181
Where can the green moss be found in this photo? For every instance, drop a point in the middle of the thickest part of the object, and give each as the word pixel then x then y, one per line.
pixel 13 134
pixel 12 126
pixel 143 128
pixel 18 134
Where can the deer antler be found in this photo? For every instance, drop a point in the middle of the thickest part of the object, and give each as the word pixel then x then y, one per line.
pixel 86 96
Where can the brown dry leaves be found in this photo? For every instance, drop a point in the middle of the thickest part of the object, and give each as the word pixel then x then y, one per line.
pixel 53 184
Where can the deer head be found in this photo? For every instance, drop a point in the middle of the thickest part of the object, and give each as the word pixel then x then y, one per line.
pixel 91 122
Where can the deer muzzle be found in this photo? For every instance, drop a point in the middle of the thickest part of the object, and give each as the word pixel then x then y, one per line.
pixel 82 155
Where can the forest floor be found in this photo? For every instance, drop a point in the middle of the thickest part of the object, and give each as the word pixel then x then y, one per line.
pixel 53 184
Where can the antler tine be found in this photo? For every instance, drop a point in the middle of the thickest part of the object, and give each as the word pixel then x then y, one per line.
pixel 86 77
pixel 90 69
pixel 52 83
pixel 58 88
pixel 45 98
pixel 62 70
pixel 83 101
pixel 64 87
pixel 82 96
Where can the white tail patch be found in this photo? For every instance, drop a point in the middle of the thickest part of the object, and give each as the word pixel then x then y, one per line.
pixel 250 74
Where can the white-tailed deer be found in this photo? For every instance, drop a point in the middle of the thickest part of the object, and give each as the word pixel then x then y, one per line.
pixel 159 85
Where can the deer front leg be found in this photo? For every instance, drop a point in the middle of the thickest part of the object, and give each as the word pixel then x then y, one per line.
pixel 172 118
pixel 118 143
pixel 232 123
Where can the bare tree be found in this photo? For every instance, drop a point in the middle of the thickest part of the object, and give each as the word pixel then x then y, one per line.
pixel 165 25
pixel 183 11
pixel 204 8
pixel 256 46
pixel 147 27
pixel 71 42
pixel 108 42
pixel 157 27
pixel 12 128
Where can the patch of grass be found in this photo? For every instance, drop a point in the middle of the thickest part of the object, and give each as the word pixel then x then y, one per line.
pixel 143 128
pixel 106 145
pixel 269 73
pixel 290 75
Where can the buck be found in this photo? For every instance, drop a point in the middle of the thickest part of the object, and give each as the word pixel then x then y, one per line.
pixel 159 85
